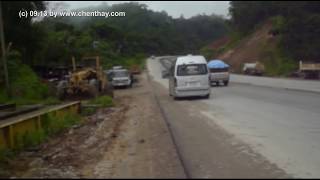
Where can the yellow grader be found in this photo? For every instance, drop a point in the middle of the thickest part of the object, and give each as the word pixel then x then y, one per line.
pixel 87 80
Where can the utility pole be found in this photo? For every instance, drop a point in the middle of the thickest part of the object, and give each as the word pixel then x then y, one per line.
pixel 3 49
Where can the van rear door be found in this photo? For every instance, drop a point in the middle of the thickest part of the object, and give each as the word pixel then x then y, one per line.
pixel 192 75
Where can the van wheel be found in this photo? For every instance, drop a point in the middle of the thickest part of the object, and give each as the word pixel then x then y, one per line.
pixel 207 96
pixel 226 83
pixel 175 98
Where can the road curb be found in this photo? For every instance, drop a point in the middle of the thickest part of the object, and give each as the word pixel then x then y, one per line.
pixel 165 118
pixel 285 88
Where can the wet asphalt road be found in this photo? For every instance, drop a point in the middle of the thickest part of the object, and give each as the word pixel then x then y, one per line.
pixel 280 124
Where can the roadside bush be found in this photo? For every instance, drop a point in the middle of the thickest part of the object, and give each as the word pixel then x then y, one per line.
pixel 54 123
pixel 29 139
pixel 87 111
pixel 125 61
pixel 208 53
pixel 25 86
pixel 277 63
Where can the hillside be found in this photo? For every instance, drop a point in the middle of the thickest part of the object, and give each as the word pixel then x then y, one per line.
pixel 260 45
pixel 293 37
pixel 251 48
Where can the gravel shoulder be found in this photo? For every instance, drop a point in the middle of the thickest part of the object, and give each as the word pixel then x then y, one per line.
pixel 129 140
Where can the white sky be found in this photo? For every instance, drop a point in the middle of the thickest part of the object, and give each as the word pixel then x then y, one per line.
pixel 173 8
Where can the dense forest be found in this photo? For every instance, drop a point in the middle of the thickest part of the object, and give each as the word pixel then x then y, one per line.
pixel 297 23
pixel 55 40
pixel 117 40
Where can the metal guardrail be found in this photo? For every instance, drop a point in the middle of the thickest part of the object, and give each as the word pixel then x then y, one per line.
pixel 11 111
pixel 7 106
pixel 30 122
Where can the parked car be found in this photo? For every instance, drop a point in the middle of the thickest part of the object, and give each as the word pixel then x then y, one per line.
pixel 219 72
pixel 189 77
pixel 121 78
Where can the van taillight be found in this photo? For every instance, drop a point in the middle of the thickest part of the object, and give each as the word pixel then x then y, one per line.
pixel 175 82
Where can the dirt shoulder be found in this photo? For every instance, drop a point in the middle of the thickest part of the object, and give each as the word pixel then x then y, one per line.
pixel 144 148
pixel 129 140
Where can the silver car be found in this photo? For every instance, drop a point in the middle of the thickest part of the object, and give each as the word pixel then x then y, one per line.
pixel 121 77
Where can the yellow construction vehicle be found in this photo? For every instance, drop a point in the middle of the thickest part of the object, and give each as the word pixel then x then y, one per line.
pixel 87 79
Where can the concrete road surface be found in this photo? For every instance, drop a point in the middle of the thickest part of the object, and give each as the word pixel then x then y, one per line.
pixel 245 130
pixel 284 83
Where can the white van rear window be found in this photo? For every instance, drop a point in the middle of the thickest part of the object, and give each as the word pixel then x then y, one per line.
pixel 192 69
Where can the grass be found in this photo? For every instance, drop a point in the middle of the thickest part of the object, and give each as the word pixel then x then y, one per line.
pixel 52 124
pixel 87 111
pixel 101 101
pixel 104 101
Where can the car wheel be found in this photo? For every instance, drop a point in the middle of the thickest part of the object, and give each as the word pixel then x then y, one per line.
pixel 226 83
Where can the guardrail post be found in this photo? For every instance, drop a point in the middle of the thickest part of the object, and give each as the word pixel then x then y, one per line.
pixel 10 137
pixel 38 122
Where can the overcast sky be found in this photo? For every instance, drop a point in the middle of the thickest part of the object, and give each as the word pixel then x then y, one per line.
pixel 173 8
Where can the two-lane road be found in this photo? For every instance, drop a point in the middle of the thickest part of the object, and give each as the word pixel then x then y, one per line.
pixel 281 125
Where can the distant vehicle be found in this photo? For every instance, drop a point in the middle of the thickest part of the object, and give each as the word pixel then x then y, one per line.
pixel 121 77
pixel 310 69
pixel 90 80
pixel 253 68
pixel 135 69
pixel 219 72
pixel 189 77
pixel 117 67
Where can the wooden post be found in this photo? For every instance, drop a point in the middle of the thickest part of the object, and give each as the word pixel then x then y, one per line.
pixel 97 62
pixel 38 122
pixel 10 137
pixel 4 60
pixel 74 64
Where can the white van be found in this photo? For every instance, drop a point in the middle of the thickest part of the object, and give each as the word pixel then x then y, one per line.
pixel 189 76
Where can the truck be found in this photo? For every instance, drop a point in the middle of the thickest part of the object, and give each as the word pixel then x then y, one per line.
pixel 256 68
pixel 309 70
pixel 219 72
pixel 87 80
